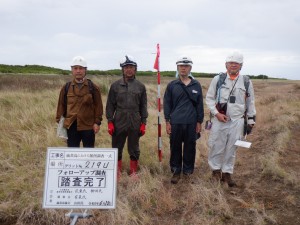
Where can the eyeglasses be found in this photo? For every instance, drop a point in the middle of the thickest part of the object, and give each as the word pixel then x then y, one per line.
pixel 233 63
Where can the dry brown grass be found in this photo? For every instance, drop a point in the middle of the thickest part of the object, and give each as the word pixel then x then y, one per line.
pixel 27 112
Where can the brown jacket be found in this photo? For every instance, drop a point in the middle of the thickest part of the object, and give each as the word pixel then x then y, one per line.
pixel 82 106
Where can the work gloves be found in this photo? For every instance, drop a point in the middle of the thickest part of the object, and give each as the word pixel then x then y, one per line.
pixel 142 129
pixel 111 128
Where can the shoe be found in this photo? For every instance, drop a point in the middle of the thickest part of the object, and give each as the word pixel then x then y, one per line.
pixel 217 175
pixel 188 178
pixel 175 178
pixel 226 177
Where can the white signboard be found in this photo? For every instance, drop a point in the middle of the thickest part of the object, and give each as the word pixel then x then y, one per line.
pixel 81 178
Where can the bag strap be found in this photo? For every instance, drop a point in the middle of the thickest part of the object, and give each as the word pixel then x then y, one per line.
pixel 91 88
pixel 222 77
pixel 67 86
pixel 188 95
pixel 66 97
pixel 233 88
pixel 246 84
pixel 218 94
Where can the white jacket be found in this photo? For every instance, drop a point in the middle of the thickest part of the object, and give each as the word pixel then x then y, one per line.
pixel 234 110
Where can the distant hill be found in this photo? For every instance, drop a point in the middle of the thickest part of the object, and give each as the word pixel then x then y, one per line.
pixel 38 69
pixel 32 69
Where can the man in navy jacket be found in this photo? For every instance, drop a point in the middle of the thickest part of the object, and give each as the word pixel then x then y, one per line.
pixel 183 111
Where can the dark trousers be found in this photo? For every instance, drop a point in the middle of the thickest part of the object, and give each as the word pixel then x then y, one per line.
pixel 75 137
pixel 133 138
pixel 183 157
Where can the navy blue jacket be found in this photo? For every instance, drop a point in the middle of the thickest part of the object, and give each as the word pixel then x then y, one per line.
pixel 178 108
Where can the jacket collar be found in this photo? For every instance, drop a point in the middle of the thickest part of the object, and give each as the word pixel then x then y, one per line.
pixel 178 81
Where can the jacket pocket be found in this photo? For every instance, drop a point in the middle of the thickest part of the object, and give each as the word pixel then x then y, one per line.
pixel 134 99
pixel 224 93
pixel 240 95
pixel 88 99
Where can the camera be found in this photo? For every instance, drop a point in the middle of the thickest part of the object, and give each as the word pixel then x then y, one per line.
pixel 222 108
pixel 232 99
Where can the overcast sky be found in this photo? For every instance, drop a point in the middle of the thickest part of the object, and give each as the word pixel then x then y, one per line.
pixel 52 32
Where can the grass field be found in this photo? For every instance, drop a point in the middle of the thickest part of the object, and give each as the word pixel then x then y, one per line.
pixel 268 176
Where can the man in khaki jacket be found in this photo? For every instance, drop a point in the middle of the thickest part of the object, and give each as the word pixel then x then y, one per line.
pixel 126 112
pixel 81 104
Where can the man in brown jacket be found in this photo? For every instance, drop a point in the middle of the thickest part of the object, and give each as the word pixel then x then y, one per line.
pixel 81 104
pixel 126 112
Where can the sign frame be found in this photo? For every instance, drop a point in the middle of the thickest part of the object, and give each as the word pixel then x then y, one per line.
pixel 80 178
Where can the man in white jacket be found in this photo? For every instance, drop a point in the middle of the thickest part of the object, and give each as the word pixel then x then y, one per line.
pixel 230 98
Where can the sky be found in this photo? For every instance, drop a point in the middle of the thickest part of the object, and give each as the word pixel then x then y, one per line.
pixel 52 32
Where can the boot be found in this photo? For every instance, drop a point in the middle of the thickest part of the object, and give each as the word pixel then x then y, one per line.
pixel 188 178
pixel 175 178
pixel 119 169
pixel 226 177
pixel 217 175
pixel 133 167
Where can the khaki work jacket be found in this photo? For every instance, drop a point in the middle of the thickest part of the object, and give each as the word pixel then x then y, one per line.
pixel 127 104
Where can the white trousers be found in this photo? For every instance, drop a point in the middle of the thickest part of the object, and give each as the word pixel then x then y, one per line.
pixel 221 141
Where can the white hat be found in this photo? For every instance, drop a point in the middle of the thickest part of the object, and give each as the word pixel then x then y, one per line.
pixel 236 57
pixel 184 60
pixel 79 61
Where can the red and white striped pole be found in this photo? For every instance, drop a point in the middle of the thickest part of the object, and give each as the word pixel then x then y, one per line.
pixel 156 66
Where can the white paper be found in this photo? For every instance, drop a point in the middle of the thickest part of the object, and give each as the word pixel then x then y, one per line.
pixel 244 144
pixel 61 131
